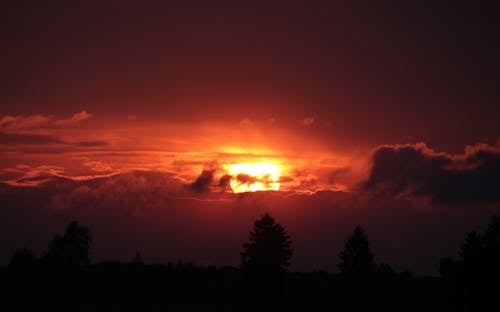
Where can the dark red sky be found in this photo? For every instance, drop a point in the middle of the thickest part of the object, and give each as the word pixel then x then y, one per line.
pixel 391 103
pixel 379 73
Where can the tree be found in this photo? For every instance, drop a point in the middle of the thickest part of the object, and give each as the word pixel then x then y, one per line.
pixel 472 249
pixel 357 257
pixel 477 273
pixel 481 253
pixel 268 249
pixel 137 259
pixel 491 239
pixel 23 259
pixel 72 248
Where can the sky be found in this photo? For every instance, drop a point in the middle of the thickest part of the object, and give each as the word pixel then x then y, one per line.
pixel 369 111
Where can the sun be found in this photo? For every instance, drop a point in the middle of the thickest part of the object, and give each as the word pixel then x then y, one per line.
pixel 252 177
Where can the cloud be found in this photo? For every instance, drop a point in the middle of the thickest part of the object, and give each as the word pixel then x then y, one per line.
pixel 134 191
pixel 202 183
pixel 95 143
pixel 22 122
pixel 18 139
pixel 14 139
pixel 336 173
pixel 31 122
pixel 74 120
pixel 416 170
pixel 247 122
pixel 10 174
pixel 25 175
pixel 98 166
pixel 307 122
pixel 224 182
pixel 245 179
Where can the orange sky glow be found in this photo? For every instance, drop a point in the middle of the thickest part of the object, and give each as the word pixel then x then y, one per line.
pixel 283 157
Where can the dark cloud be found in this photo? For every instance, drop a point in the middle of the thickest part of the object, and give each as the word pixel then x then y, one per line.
pixel 10 175
pixel 18 138
pixel 335 174
pixel 39 178
pixel 286 179
pixel 245 178
pixel 224 181
pixel 471 178
pixel 33 139
pixel 203 182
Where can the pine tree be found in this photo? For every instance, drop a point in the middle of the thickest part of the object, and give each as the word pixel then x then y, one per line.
pixel 357 257
pixel 268 249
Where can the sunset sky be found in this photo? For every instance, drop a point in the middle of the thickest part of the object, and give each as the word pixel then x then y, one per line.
pixel 359 113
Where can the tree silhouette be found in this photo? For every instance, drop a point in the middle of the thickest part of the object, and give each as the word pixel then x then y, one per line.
pixel 481 253
pixel 137 259
pixel 71 249
pixel 472 249
pixel 357 257
pixel 23 259
pixel 477 273
pixel 491 240
pixel 268 249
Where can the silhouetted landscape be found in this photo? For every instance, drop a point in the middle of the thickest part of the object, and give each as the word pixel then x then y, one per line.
pixel 232 155
pixel 63 278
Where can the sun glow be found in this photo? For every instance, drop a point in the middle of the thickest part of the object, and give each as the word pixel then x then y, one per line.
pixel 253 177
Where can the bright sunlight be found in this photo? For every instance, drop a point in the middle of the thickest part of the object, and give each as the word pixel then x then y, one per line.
pixel 253 177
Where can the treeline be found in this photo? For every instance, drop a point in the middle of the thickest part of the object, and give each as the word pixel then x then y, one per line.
pixel 471 282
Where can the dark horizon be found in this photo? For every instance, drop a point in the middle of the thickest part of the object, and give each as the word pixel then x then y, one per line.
pixel 262 279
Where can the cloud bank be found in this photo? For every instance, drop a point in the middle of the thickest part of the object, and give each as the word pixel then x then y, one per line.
pixel 416 170
pixel 31 122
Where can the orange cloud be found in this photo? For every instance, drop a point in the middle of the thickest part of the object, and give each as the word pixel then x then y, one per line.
pixel 24 122
pixel 74 120
pixel 31 122
pixel 247 122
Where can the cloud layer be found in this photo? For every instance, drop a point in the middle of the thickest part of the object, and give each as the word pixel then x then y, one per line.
pixel 467 179
pixel 31 122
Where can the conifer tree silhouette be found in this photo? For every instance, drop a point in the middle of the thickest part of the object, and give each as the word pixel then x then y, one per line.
pixel 268 248
pixel 357 257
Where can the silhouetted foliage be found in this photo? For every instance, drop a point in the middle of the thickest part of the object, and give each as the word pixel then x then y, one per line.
pixel 263 284
pixel 477 273
pixel 491 243
pixel 481 253
pixel 385 270
pixel 449 268
pixel 71 249
pixel 473 247
pixel 23 259
pixel 137 258
pixel 357 257
pixel 268 249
